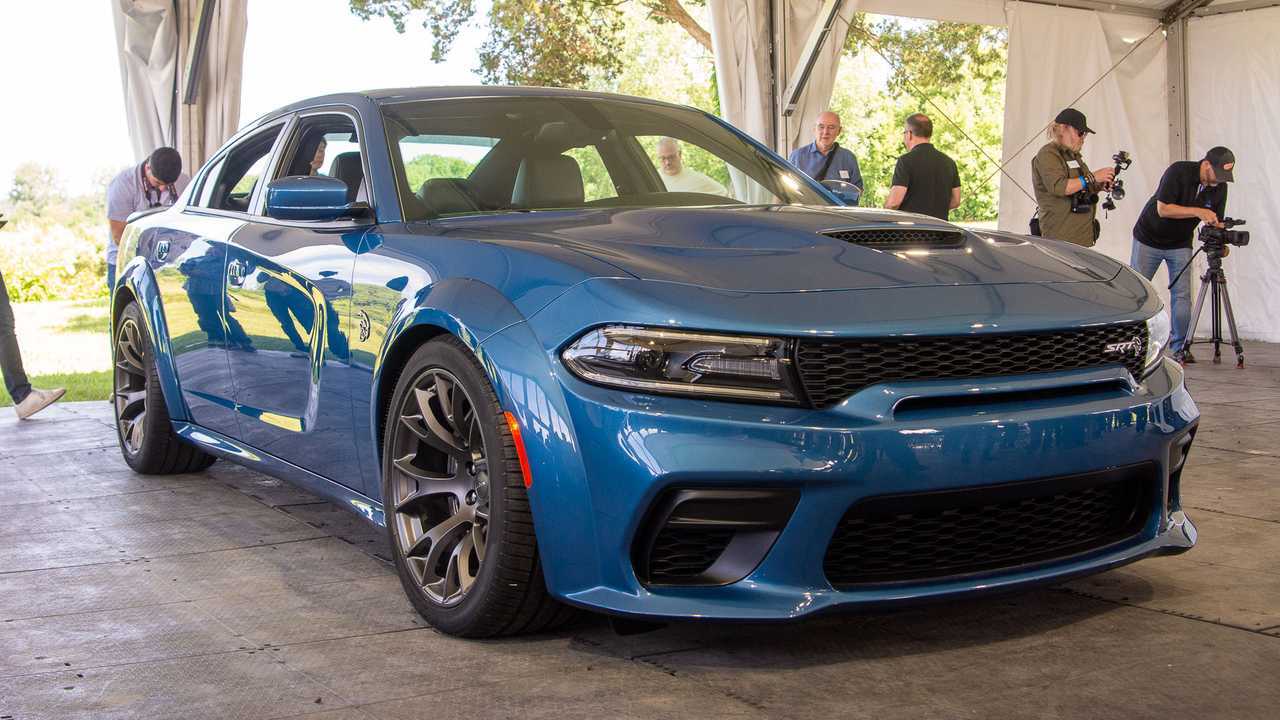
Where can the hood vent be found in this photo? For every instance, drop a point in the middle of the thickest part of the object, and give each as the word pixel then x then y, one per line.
pixel 899 238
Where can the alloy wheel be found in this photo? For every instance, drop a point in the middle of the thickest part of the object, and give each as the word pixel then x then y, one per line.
pixel 440 486
pixel 130 386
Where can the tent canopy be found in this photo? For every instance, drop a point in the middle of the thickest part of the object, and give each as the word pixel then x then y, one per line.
pixel 1163 79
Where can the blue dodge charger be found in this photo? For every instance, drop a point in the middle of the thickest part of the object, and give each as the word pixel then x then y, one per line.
pixel 576 350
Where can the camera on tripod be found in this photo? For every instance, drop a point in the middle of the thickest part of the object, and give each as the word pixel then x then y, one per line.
pixel 1216 239
pixel 1214 281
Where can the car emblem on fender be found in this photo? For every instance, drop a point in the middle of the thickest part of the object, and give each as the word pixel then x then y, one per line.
pixel 1132 345
pixel 364 326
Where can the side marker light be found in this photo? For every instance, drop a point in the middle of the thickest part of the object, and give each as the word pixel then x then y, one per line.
pixel 514 426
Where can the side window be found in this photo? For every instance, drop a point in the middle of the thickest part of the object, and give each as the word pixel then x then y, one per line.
pixel 210 182
pixel 327 145
pixel 230 185
pixel 596 183
pixel 430 157
pixel 438 168
pixel 686 167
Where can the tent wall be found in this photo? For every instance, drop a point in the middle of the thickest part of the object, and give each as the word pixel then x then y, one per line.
pixel 1055 54
pixel 215 115
pixel 147 40
pixel 740 33
pixel 1234 74
pixel 154 39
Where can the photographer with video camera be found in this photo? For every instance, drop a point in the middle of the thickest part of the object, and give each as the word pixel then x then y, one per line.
pixel 1066 190
pixel 1190 193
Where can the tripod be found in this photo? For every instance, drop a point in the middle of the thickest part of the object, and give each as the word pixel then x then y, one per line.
pixel 1215 280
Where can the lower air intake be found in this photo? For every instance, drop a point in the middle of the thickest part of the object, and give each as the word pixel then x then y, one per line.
pixel 934 536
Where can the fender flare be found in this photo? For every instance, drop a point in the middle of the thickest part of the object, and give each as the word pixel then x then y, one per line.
pixel 518 369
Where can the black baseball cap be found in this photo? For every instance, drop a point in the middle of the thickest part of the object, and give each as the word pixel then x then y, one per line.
pixel 1075 119
pixel 1223 162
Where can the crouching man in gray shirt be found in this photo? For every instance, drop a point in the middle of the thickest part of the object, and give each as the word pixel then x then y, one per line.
pixel 155 182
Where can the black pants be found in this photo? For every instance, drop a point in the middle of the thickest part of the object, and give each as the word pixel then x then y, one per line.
pixel 15 379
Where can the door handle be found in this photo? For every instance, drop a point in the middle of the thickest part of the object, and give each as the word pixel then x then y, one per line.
pixel 235 273
pixel 162 250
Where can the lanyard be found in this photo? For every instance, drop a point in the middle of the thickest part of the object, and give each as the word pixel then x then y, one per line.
pixel 154 197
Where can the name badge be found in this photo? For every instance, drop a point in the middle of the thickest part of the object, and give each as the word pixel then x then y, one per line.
pixel 844 174
pixel 1073 164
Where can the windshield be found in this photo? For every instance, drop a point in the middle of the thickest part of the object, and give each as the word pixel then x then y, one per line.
pixel 487 155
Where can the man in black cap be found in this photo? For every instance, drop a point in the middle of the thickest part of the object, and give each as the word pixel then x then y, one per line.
pixel 1058 171
pixel 1190 193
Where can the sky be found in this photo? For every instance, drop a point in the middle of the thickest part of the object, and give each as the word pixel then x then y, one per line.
pixel 61 89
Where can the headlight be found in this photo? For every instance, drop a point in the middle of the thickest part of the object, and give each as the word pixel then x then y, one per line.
pixel 1157 338
pixel 685 363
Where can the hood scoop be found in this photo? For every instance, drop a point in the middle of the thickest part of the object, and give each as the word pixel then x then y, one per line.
pixel 894 239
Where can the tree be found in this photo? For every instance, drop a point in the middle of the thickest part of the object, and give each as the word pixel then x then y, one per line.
pixel 952 72
pixel 562 43
pixel 35 189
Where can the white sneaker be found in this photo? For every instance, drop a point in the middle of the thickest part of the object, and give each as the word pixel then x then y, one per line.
pixel 37 401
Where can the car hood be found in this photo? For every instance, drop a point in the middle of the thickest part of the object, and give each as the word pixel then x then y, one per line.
pixel 782 248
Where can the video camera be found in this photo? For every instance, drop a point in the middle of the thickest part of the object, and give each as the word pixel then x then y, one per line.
pixel 1216 239
pixel 1122 161
pixel 1083 201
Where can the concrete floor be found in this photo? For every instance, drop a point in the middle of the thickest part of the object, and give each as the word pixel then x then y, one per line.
pixel 232 595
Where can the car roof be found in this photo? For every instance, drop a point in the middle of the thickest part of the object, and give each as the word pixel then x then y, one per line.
pixel 397 95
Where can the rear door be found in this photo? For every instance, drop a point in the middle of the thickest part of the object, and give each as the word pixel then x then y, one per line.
pixel 288 285
pixel 190 261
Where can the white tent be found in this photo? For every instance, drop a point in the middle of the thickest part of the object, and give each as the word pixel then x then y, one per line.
pixel 180 66
pixel 1163 79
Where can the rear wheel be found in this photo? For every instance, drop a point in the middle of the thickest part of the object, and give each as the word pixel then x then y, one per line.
pixel 147 440
pixel 457 513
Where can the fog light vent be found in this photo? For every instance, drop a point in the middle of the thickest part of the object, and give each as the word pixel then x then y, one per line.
pixel 709 537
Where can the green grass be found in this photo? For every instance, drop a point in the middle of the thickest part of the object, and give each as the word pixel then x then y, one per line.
pixel 80 386
pixel 87 324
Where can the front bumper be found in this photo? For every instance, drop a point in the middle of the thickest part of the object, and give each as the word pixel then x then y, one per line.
pixel 632 450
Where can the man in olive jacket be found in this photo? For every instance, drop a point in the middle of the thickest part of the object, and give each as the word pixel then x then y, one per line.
pixel 1058 171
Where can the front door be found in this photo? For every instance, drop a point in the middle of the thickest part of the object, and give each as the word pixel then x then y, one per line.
pixel 289 286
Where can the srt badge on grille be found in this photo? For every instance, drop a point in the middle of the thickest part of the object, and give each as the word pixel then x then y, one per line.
pixel 1132 345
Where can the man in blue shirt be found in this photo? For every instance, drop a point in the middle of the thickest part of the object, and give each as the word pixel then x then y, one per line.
pixel 824 159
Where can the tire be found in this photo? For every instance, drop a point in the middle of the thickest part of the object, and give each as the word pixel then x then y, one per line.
pixel 458 517
pixel 146 436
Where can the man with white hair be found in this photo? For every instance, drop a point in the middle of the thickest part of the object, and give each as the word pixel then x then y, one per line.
pixel 824 159
pixel 678 178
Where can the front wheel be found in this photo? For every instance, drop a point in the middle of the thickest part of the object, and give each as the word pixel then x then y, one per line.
pixel 147 440
pixel 458 517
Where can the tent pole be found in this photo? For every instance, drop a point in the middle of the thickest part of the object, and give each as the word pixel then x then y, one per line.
pixel 195 53
pixel 1176 43
pixel 774 35
pixel 809 55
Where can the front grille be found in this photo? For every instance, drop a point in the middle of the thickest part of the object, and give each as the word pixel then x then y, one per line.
pixel 899 238
pixel 685 552
pixel 832 370
pixel 936 535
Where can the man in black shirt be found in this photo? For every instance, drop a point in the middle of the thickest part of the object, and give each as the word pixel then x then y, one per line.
pixel 925 180
pixel 1190 193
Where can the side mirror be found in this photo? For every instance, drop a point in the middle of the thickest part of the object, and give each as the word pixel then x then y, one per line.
pixel 311 197
pixel 846 191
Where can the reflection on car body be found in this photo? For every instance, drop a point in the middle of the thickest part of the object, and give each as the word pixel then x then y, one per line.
pixel 490 326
